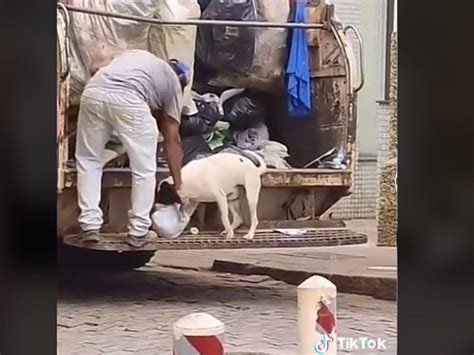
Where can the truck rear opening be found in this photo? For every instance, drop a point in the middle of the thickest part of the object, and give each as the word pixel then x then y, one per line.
pixel 294 198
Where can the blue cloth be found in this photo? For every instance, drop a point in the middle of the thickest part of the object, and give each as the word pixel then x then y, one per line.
pixel 298 74
pixel 184 68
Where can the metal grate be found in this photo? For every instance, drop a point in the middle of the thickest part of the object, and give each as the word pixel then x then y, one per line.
pixel 383 138
pixel 362 203
pixel 383 134
pixel 213 240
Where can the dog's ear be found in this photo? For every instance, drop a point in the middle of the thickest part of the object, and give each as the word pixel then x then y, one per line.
pixel 166 194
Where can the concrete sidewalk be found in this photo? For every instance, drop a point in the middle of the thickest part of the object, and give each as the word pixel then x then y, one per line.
pixel 361 269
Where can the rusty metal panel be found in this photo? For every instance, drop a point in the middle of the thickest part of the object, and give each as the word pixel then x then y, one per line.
pixel 62 95
pixel 67 211
pixel 330 86
pixel 331 123
pixel 121 177
pixel 331 103
pixel 305 178
pixel 59 125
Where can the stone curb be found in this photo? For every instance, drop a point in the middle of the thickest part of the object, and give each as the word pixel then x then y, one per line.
pixel 384 288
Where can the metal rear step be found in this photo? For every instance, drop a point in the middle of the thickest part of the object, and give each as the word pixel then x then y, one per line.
pixel 313 237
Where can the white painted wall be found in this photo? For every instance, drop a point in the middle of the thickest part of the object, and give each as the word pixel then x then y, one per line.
pixel 395 16
pixel 370 18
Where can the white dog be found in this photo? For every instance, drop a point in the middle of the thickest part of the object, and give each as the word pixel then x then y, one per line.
pixel 218 178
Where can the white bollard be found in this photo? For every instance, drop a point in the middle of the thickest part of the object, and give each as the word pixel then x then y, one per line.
pixel 317 317
pixel 198 334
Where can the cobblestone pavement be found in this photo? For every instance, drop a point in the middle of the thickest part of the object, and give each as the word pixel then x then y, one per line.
pixel 133 312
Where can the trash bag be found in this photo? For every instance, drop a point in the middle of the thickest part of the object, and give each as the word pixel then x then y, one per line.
pixel 169 221
pixel 194 147
pixel 194 125
pixel 226 48
pixel 209 113
pixel 251 138
pixel 243 112
pixel 203 4
pixel 219 136
pixel 274 154
pixel 259 54
pixel 95 40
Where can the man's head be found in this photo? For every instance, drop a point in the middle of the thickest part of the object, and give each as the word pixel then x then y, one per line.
pixel 181 70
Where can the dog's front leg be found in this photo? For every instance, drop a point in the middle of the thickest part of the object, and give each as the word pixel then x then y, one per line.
pixel 221 200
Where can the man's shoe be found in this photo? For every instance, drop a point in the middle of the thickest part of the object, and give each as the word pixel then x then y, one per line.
pixel 140 241
pixel 91 236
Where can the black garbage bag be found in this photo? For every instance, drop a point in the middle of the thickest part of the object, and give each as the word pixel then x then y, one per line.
pixel 193 125
pixel 203 4
pixel 244 56
pixel 244 112
pixel 204 121
pixel 227 48
pixel 194 147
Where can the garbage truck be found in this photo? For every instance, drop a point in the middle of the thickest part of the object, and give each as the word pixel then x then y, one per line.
pixel 322 146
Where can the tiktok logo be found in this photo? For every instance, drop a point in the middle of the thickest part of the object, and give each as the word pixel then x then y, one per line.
pixel 323 345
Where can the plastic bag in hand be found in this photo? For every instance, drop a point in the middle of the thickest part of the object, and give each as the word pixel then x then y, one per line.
pixel 169 221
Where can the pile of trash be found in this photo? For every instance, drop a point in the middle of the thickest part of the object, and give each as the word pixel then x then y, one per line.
pixel 232 122
pixel 235 57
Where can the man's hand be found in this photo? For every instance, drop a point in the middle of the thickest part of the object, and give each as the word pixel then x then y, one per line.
pixel 169 127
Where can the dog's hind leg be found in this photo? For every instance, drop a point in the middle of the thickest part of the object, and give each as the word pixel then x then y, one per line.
pixel 221 200
pixel 234 207
pixel 201 214
pixel 252 191
pixel 236 218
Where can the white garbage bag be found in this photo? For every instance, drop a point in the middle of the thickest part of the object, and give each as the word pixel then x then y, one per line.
pixel 95 40
pixel 170 221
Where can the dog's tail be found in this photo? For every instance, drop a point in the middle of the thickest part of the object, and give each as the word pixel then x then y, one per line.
pixel 257 160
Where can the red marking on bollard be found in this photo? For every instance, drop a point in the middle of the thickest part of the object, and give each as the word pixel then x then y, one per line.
pixel 325 318
pixel 206 345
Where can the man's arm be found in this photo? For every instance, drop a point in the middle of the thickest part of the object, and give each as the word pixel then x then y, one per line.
pixel 169 127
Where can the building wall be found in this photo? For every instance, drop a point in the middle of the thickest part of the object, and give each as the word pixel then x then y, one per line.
pixel 387 199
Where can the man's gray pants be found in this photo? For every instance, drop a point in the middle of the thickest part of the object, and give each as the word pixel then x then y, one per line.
pixel 125 112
